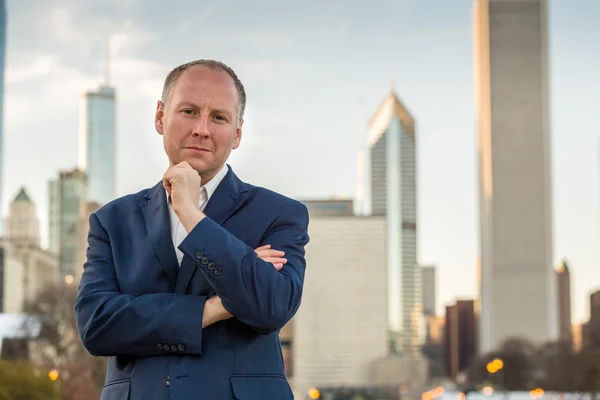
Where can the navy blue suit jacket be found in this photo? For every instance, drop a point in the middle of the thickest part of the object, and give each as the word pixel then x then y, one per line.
pixel 137 306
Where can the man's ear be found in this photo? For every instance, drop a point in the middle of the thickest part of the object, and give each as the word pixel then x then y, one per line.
pixel 158 117
pixel 238 136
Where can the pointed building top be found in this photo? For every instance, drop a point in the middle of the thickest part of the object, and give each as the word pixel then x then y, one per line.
pixel 390 107
pixel 22 196
pixel 564 267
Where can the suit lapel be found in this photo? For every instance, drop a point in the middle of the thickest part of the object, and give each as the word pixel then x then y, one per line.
pixel 156 217
pixel 229 196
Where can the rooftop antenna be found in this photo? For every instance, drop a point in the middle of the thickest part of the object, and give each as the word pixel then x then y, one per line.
pixel 107 62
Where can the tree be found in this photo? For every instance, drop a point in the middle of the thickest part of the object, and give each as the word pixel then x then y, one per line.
pixel 59 346
pixel 20 380
pixel 517 372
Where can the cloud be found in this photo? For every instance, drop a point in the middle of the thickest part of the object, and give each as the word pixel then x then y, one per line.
pixel 43 65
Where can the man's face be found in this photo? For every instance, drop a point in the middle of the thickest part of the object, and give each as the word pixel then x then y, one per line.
pixel 200 125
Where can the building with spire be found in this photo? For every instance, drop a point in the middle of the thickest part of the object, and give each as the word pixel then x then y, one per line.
pixel 25 268
pixel 390 190
pixel 98 140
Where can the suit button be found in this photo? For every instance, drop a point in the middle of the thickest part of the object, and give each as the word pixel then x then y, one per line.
pixel 218 271
pixel 199 255
pixel 167 381
pixel 160 346
pixel 204 260
pixel 211 265
pixel 173 347
pixel 180 347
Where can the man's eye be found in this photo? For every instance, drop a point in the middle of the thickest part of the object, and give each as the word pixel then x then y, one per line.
pixel 189 112
pixel 220 118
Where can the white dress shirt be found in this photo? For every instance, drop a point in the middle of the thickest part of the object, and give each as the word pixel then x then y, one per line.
pixel 178 232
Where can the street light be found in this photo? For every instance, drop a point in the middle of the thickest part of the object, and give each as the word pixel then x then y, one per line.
pixel 495 366
pixel 53 375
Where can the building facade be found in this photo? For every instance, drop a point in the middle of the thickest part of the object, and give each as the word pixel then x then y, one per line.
pixel 563 277
pixel 67 204
pixel 341 326
pixel 513 123
pixel 25 268
pixel 98 143
pixel 392 193
pixel 460 337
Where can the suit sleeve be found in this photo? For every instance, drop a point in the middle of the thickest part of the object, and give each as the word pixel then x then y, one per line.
pixel 112 323
pixel 250 288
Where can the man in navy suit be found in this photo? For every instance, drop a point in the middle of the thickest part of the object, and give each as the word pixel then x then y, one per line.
pixel 187 284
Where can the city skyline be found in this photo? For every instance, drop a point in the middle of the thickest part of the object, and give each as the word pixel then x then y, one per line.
pixel 49 66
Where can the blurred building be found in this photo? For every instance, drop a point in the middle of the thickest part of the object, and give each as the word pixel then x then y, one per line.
pixel 577 335
pixel 433 348
pixel 97 143
pixel 329 207
pixel 341 326
pixel 390 192
pixel 67 204
pixel 2 61
pixel 591 329
pixel 460 337
pixel 83 228
pixel 25 268
pixel 428 290
pixel 563 276
pixel 22 225
pixel 511 44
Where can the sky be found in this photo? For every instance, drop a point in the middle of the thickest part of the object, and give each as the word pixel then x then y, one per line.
pixel 307 68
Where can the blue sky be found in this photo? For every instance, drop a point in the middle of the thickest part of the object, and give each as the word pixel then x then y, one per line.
pixel 306 67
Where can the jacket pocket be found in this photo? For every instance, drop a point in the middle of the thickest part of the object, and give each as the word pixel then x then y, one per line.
pixel 118 390
pixel 261 387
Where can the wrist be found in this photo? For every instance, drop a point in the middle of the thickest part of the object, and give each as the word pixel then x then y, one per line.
pixel 190 217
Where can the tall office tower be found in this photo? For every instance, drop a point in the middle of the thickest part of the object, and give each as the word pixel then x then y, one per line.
pixel 563 275
pixel 391 192
pixel 511 53
pixel 2 60
pixel 428 288
pixel 97 143
pixel 67 203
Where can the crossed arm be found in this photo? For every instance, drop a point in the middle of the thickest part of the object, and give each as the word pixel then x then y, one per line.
pixel 249 288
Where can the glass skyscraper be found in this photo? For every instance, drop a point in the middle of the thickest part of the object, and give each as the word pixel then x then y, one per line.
pixel 390 190
pixel 97 143
pixel 2 59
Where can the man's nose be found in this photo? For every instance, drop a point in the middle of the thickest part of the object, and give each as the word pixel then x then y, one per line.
pixel 201 127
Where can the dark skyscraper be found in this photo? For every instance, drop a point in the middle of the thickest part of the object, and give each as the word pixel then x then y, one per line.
pixel 2 58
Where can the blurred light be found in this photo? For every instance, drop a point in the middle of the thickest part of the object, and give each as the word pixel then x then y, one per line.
pixel 462 396
pixel 313 393
pixel 53 375
pixel 536 393
pixel 69 279
pixel 487 390
pixel 491 368
pixel 498 363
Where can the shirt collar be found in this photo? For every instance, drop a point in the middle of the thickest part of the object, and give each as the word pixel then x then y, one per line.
pixel 212 185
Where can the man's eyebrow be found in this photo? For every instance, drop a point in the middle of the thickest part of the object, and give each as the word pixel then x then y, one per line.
pixel 222 111
pixel 186 103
